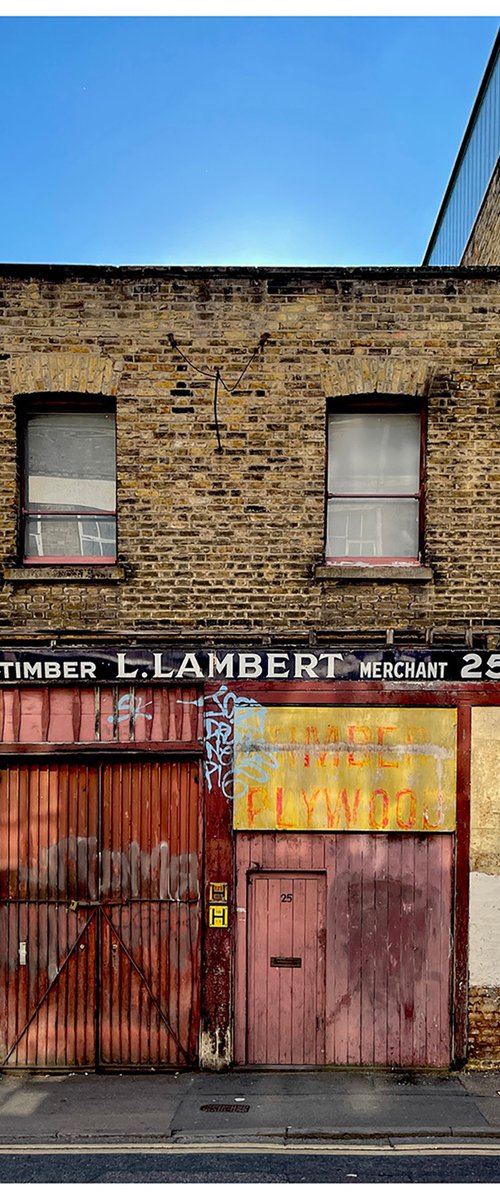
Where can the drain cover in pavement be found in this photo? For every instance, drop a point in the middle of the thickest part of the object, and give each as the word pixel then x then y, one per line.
pixel 224 1107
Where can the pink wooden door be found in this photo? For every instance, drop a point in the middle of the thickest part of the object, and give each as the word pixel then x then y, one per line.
pixel 389 944
pixel 286 968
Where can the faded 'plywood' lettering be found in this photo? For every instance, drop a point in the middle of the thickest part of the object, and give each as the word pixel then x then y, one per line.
pixel 378 769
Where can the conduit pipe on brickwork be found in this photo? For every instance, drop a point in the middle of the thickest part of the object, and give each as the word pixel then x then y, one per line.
pixel 217 377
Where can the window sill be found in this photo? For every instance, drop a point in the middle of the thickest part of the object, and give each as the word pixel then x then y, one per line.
pixel 374 574
pixel 61 574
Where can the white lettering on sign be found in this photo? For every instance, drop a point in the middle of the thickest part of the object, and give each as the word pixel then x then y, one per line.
pixel 31 670
pixel 176 663
pixel 250 666
pixel 472 667
pixel 305 664
pixel 404 669
pixel 189 666
pixel 87 670
pixel 331 659
pixel 221 666
pixel 159 673
pixel 47 670
pixel 277 666
pixel 122 673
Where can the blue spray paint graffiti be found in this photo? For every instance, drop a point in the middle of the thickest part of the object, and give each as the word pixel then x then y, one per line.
pixel 253 766
pixel 129 707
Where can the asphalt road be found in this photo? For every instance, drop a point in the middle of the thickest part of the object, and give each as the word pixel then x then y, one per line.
pixel 227 1166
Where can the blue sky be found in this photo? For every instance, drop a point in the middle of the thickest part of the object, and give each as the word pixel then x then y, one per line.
pixel 324 140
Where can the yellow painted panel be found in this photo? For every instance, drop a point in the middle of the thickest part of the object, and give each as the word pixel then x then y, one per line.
pixel 485 791
pixel 378 769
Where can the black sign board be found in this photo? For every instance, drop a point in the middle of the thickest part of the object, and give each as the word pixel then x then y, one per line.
pixel 136 666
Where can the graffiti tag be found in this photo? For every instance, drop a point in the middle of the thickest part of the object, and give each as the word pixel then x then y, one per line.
pixel 253 767
pixel 130 709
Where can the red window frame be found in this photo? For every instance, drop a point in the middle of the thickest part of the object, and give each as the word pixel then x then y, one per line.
pixel 379 404
pixel 30 406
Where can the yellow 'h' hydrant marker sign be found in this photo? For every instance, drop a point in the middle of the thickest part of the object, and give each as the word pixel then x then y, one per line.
pixel 374 769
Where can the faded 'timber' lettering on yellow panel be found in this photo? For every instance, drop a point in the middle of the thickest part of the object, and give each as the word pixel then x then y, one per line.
pixel 378 769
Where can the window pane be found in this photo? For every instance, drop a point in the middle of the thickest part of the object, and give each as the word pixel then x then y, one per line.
pixel 372 529
pixel 70 460
pixel 374 453
pixel 70 537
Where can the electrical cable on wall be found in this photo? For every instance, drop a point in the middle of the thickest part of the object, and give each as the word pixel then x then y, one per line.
pixel 217 377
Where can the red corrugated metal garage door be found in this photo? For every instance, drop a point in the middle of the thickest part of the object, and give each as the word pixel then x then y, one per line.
pixel 99 914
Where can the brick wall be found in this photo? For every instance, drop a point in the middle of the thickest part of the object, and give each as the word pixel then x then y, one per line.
pixel 229 542
pixel 484 1023
pixel 483 246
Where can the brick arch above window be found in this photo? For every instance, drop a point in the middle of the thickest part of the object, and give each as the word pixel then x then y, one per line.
pixel 363 374
pixel 65 371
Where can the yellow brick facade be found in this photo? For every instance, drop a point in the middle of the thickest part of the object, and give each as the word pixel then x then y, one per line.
pixel 231 542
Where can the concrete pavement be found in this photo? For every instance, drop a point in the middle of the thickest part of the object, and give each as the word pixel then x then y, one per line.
pixel 248 1105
